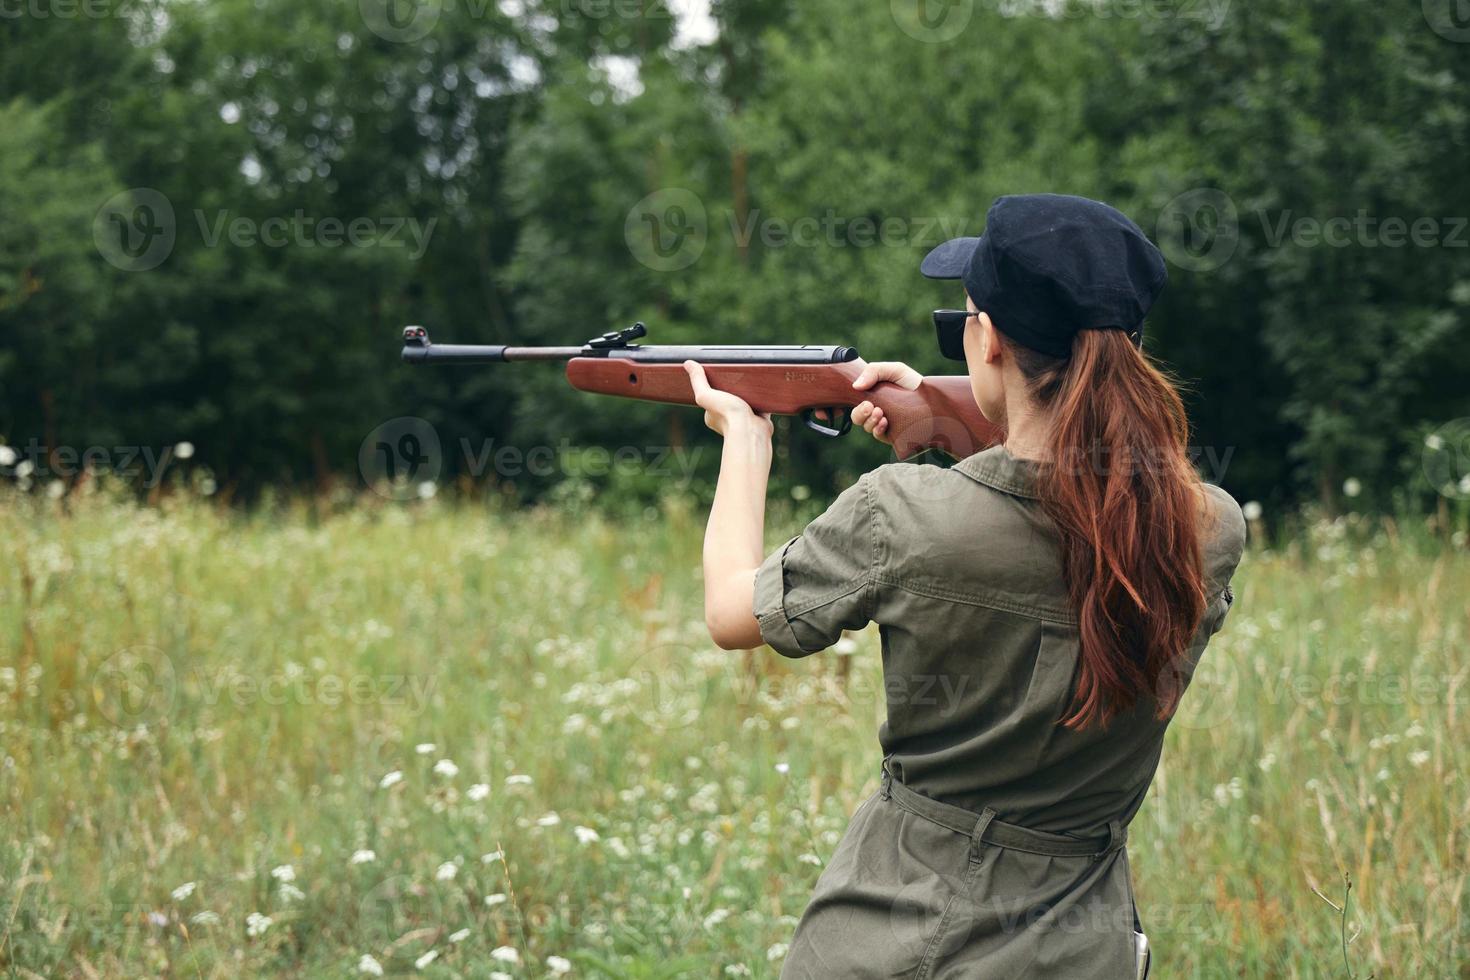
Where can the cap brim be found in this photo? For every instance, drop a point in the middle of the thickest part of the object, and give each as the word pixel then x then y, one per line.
pixel 948 261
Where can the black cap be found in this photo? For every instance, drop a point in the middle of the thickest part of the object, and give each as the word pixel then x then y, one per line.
pixel 1050 265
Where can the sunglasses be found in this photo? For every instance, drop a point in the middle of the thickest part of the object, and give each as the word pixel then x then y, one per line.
pixel 950 327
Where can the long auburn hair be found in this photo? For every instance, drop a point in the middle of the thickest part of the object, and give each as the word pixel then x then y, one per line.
pixel 1126 500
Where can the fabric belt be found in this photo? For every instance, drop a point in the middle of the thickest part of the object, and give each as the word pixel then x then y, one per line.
pixel 984 828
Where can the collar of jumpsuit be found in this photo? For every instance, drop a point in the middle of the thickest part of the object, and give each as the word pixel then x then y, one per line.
pixel 997 468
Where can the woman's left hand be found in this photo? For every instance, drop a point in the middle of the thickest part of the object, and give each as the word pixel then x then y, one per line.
pixel 723 411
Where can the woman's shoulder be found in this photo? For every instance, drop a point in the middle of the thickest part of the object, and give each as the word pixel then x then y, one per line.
pixel 1224 532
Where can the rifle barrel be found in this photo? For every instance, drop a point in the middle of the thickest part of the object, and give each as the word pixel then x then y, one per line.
pixel 418 349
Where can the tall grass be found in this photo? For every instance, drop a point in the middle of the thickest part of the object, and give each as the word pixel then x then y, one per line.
pixel 203 714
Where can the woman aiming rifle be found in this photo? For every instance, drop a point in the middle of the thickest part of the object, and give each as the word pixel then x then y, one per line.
pixel 1059 587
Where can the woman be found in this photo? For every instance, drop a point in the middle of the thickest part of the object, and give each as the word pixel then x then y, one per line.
pixel 1041 604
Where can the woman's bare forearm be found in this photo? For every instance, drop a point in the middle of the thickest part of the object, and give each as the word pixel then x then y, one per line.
pixel 734 540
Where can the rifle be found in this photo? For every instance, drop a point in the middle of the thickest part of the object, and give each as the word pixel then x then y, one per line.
pixel 783 380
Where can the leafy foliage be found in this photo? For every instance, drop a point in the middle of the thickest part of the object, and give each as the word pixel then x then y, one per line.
pixel 512 164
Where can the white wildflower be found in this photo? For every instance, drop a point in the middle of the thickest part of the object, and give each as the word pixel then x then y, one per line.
pixel 205 918
pixel 1252 510
pixel 716 917
pixel 183 891
pixel 363 856
pixel 446 871
pixel 505 954
pixel 585 835
pixel 291 893
pixel 1432 441
pixel 492 857
pixel 369 966
pixel 783 768
pixel 846 645
pixel 459 937
pixel 493 900
pixel 7 456
pixel 519 779
pixel 427 489
pixel 285 873
pixel 478 792
pixel 256 924
pixel 426 959
pixel 425 748
pixel 558 965
pixel 1417 759
pixel 810 858
pixel 184 450
pixel 550 820
pixel 446 767
pixel 390 780
pixel 776 952
pixel 1352 486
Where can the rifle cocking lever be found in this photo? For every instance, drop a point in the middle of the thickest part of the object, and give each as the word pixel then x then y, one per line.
pixel 618 338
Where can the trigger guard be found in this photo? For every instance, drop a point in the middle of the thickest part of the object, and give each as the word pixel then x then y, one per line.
pixel 809 419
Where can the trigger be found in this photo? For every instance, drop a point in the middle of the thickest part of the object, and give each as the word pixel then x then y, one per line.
pixel 837 415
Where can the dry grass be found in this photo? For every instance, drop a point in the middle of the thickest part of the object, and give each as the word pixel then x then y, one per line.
pixel 191 696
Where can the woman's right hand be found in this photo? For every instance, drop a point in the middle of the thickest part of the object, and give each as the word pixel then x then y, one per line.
pixel 870 416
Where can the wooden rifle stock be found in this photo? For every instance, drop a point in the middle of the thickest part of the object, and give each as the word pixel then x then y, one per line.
pixel 940 414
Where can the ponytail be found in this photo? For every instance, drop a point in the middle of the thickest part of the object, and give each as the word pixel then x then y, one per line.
pixel 1125 498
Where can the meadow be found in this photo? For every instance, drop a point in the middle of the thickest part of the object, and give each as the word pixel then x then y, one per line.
pixel 452 738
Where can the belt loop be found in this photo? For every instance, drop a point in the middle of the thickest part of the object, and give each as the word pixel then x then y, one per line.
pixel 977 836
pixel 1117 837
pixel 887 785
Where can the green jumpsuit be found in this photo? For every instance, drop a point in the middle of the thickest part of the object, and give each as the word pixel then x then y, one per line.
pixel 995 845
